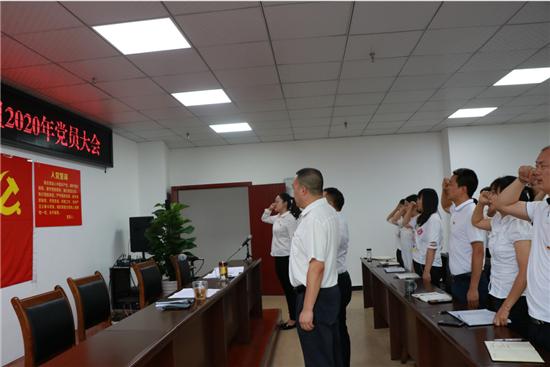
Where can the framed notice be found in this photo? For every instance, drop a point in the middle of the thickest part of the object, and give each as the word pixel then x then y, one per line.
pixel 57 196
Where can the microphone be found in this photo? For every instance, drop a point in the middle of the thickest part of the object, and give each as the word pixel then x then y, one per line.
pixel 245 243
pixel 248 238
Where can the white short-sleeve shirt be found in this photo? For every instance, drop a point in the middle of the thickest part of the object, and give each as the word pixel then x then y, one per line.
pixel 343 244
pixel 316 237
pixel 284 226
pixel 427 236
pixel 538 269
pixel 462 234
pixel 505 232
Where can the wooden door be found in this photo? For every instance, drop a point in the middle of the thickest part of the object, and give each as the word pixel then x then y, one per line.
pixel 259 198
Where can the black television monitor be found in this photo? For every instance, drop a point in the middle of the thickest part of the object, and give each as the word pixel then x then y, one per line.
pixel 138 225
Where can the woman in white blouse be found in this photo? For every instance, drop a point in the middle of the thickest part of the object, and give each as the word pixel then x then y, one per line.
pixel 428 235
pixel 509 244
pixel 284 225
pixel 405 236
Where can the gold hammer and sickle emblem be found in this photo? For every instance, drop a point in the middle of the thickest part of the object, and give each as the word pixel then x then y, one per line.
pixel 12 189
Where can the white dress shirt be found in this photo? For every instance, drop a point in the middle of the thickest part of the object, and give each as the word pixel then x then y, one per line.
pixel 538 269
pixel 406 239
pixel 343 245
pixel 284 226
pixel 461 236
pixel 427 236
pixel 505 232
pixel 316 237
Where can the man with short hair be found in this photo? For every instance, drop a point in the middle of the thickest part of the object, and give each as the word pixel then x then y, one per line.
pixel 469 285
pixel 313 272
pixel 538 268
pixel 336 199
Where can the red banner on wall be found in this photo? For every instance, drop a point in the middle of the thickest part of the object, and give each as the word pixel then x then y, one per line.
pixel 16 220
pixel 57 196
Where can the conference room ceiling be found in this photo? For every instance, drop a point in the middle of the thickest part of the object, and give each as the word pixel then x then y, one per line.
pixel 293 70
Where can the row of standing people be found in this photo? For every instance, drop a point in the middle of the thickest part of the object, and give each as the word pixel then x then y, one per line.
pixel 512 219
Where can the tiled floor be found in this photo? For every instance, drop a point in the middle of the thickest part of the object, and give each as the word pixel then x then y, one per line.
pixel 369 347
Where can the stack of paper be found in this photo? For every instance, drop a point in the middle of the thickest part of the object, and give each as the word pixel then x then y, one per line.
pixel 394 269
pixel 174 303
pixel 380 258
pixel 433 297
pixel 475 317
pixel 189 293
pixel 232 272
pixel 389 263
pixel 407 276
pixel 513 351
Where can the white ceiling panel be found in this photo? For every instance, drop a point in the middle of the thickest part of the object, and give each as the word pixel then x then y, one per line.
pixel 188 82
pixel 242 140
pixel 236 56
pixel 189 124
pixel 276 138
pixel 533 12
pixel 309 102
pixel 156 133
pixel 258 106
pixel 108 12
pixel 353 122
pixel 497 60
pixel 529 100
pixel 35 16
pixel 68 44
pixel 75 93
pixel 413 129
pixel 103 108
pixel 451 94
pixel 125 117
pixel 488 102
pixel 139 126
pixel 104 70
pixel 220 109
pixel 381 124
pixel 453 40
pixel 264 126
pixel 248 77
pixel 310 89
pixel 408 96
pixel 372 132
pixel 150 102
pixel 308 19
pixel 278 131
pixel 40 76
pixel 305 50
pixel 390 108
pixel 209 142
pixel 292 73
pixel 443 105
pixel 255 93
pixel 298 123
pixel 342 132
pixel 15 55
pixel 484 78
pixel 188 7
pixel 539 60
pixel 434 64
pixel 310 113
pixel 169 62
pixel 265 116
pixel 504 91
pixel 354 110
pixel 130 87
pixel 379 17
pixel 358 99
pixel 167 113
pixel 519 37
pixel 383 45
pixel 219 28
pixel 366 68
pixel 473 14
pixel 365 85
pixel 419 82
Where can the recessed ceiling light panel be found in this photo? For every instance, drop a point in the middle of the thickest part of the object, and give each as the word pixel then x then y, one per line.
pixel 472 112
pixel 202 97
pixel 231 128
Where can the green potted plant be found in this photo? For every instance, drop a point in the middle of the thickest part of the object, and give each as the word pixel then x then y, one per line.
pixel 166 237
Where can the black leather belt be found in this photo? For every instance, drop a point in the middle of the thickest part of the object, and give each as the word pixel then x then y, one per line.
pixel 538 322
pixel 300 289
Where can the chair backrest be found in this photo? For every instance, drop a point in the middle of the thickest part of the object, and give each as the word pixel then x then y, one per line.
pixel 47 325
pixel 149 282
pixel 182 268
pixel 93 306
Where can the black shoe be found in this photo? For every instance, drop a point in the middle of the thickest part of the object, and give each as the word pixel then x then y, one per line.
pixel 285 326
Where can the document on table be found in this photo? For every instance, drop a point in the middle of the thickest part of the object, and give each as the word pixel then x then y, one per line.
pixel 513 351
pixel 394 269
pixel 380 258
pixel 433 297
pixel 389 263
pixel 475 317
pixel 189 293
pixel 232 272
pixel 407 276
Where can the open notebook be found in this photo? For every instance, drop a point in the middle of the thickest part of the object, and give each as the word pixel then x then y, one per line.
pixel 475 317
pixel 512 351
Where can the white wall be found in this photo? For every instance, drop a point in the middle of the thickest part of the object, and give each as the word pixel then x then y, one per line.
pixel 108 199
pixel 153 175
pixel 372 172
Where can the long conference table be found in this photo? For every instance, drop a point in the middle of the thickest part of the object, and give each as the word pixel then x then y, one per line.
pixel 199 336
pixel 414 331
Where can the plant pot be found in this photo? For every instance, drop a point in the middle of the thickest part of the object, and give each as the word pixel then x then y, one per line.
pixel 168 287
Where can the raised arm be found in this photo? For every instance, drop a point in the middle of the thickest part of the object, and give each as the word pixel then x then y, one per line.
pixel 266 215
pixel 478 219
pixel 393 213
pixel 445 202
pixel 408 214
pixel 508 200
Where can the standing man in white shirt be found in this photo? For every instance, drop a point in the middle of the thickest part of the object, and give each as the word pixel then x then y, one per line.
pixel 466 243
pixel 538 267
pixel 313 272
pixel 336 199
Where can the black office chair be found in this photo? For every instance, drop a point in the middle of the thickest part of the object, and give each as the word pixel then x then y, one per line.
pixel 93 307
pixel 446 281
pixel 47 325
pixel 149 282
pixel 182 269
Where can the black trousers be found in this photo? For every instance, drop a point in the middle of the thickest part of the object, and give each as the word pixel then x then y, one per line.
pixel 460 285
pixel 518 314
pixel 344 284
pixel 321 346
pixel 436 272
pixel 281 268
pixel 539 334
pixel 399 257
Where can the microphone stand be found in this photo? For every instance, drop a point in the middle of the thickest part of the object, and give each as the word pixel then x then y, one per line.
pixel 248 258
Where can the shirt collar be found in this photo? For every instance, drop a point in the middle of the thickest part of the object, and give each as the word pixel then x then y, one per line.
pixel 312 206
pixel 284 214
pixel 459 208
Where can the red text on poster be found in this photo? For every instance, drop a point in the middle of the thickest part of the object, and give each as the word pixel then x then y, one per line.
pixel 16 220
pixel 57 196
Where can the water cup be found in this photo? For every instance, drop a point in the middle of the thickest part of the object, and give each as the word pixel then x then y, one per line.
pixel 200 287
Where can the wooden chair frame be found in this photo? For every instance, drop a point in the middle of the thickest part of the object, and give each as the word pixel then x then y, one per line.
pixel 179 276
pixel 20 305
pixel 137 267
pixel 73 285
